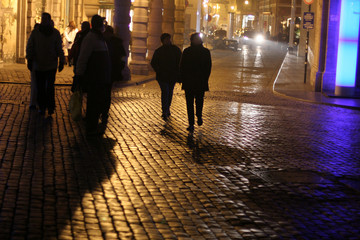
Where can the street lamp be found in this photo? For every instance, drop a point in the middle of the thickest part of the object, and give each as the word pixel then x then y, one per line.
pixel 246 2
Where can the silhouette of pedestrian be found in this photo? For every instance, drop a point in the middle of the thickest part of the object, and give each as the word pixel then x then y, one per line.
pixel 118 60
pixel 33 90
pixel 43 51
pixel 117 53
pixel 94 70
pixel 165 62
pixel 195 69
pixel 75 49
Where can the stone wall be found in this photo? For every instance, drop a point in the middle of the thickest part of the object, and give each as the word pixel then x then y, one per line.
pixel 8 23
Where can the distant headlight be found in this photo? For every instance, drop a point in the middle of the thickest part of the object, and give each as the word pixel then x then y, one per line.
pixel 259 38
pixel 246 38
pixel 201 35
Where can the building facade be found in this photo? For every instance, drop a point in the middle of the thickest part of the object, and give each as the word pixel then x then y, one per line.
pixel 149 19
pixel 333 49
pixel 275 17
pixel 334 52
pixel 18 18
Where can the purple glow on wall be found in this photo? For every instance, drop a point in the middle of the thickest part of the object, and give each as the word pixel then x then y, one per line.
pixel 348 43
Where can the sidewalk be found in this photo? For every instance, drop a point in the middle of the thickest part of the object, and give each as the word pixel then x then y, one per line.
pixel 290 83
pixel 19 74
pixel 252 171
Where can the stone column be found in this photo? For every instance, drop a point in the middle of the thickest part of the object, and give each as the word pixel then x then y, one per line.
pixel 138 64
pixel 56 13
pixel 179 24
pixel 231 29
pixel 121 27
pixel 168 17
pixel 155 21
pixel 292 24
pixel 30 21
pixel 78 16
pixel 21 39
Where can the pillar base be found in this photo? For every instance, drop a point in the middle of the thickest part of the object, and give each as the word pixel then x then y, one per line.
pixel 341 91
pixel 139 69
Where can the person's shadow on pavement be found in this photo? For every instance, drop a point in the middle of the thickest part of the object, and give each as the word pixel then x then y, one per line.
pixel 94 164
pixel 200 146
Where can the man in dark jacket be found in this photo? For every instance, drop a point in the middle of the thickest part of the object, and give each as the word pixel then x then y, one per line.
pixel 43 51
pixel 165 62
pixel 195 69
pixel 93 67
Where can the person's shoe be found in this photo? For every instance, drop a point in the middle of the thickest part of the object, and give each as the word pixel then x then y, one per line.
pixel 50 111
pixel 101 129
pixel 164 116
pixel 104 121
pixel 200 121
pixel 92 135
pixel 32 107
pixel 190 128
pixel 41 112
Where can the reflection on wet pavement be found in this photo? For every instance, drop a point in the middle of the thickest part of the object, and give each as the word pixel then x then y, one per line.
pixel 259 167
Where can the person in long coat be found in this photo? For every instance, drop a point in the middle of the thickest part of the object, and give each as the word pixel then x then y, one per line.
pixel 94 71
pixel 195 69
pixel 165 62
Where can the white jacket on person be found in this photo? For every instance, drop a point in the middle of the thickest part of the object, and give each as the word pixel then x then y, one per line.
pixel 69 37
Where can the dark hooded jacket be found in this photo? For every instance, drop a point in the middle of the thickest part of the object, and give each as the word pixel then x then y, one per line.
pixel 44 48
pixel 195 68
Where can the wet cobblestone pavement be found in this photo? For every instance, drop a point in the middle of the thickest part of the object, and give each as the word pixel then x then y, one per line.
pixel 261 166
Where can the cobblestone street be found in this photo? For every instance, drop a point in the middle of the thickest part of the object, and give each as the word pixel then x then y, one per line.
pixel 261 166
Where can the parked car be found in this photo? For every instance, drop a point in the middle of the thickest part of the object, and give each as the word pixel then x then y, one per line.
pixel 221 42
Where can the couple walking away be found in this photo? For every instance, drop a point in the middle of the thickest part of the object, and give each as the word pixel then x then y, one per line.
pixel 192 69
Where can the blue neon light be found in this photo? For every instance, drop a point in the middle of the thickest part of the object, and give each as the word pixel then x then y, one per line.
pixel 348 43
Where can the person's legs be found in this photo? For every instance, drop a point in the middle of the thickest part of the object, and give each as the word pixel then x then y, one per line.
pixel 50 91
pixel 105 107
pixel 171 92
pixel 33 93
pixel 92 111
pixel 41 90
pixel 199 101
pixel 190 108
pixel 164 86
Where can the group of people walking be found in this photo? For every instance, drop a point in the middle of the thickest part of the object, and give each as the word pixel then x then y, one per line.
pixel 98 57
pixel 192 68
